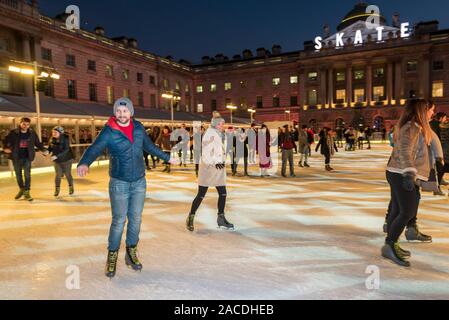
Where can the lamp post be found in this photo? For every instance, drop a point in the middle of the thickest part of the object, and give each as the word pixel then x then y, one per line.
pixel 252 112
pixel 172 97
pixel 231 108
pixel 34 72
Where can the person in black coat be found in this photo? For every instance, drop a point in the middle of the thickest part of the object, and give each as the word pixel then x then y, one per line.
pixel 62 156
pixel 328 146
pixel 19 145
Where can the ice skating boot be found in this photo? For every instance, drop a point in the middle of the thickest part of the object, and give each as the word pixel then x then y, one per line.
pixel 165 169
pixel 189 222
pixel 385 227
pixel 111 264
pixel 306 165
pixel 168 168
pixel 20 194
pixel 28 196
pixel 413 234
pixel 131 259
pixel 223 223
pixel 57 191
pixel 328 167
pixel 392 252
pixel 71 190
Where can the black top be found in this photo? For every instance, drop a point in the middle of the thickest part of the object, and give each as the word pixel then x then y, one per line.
pixel 24 142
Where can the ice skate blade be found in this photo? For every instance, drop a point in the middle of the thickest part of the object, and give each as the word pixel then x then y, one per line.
pixel 225 228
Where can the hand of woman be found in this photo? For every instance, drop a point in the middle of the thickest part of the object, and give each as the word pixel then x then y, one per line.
pixel 220 166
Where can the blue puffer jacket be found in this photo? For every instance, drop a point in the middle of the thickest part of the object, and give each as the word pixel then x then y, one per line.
pixel 126 158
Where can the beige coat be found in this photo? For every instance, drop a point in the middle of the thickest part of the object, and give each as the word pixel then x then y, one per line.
pixel 212 153
pixel 410 153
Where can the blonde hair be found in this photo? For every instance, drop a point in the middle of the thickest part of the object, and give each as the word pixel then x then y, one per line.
pixel 416 112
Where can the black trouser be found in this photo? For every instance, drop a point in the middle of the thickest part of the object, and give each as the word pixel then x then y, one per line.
pixel 327 158
pixel 287 155
pixel 168 153
pixel 403 208
pixel 441 169
pixel 369 142
pixel 22 167
pixel 235 164
pixel 145 156
pixel 63 168
pixel 202 193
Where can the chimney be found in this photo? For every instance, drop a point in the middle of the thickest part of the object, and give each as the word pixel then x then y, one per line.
pixel 205 60
pixel 396 21
pixel 427 27
pixel 132 43
pixel 261 52
pixel 99 31
pixel 326 31
pixel 247 54
pixel 277 49
pixel 122 40
pixel 219 57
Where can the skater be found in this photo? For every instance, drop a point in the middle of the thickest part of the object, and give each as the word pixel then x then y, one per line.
pixel 444 134
pixel 198 134
pixel 62 156
pixel 410 160
pixel 252 136
pixel 212 172
pixel 287 142
pixel 263 145
pixel 125 138
pixel 19 145
pixel 328 147
pixel 303 147
pixel 164 142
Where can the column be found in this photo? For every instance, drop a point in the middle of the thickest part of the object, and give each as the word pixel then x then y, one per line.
pixel 323 72
pixel 424 80
pixel 369 84
pixel 398 82
pixel 389 82
pixel 330 86
pixel 28 80
pixel 302 88
pixel 349 84
pixel 37 50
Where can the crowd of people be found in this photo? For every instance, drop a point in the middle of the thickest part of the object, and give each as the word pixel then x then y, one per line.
pixel 419 160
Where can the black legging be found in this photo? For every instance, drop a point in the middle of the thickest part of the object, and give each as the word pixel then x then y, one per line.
pixel 441 169
pixel 404 206
pixel 202 193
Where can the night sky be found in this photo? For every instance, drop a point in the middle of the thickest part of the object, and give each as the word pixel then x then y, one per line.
pixel 190 30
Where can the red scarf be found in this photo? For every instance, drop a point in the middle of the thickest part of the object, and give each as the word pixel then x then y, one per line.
pixel 127 131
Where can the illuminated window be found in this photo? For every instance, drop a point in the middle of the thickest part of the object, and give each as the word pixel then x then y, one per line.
pixel 359 75
pixel 199 89
pixel 340 96
pixel 177 86
pixel 4 80
pixel 379 73
pixel 312 97
pixel 341 76
pixel 187 89
pixel 126 93
pixel 109 70
pixel 228 86
pixel 437 89
pixel 379 93
pixel 359 95
pixel 213 87
pixel 412 66
pixel 166 84
pixel 110 94
pixel 293 79
pixel 313 76
pixel 199 107
pixel 125 74
pixel 276 81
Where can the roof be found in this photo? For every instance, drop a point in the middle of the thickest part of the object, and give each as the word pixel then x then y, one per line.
pixel 50 106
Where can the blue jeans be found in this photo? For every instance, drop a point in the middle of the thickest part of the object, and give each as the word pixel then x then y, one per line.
pixel 22 167
pixel 127 200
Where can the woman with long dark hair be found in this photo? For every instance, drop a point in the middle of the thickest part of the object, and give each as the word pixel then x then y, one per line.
pixel 166 145
pixel 327 146
pixel 409 162
pixel 263 145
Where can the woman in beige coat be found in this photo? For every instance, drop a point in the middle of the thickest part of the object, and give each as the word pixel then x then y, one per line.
pixel 212 172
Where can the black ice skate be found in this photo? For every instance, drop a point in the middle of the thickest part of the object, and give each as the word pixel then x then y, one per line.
pixel 20 194
pixel 189 222
pixel 413 234
pixel 392 252
pixel 71 190
pixel 57 191
pixel 111 264
pixel 223 223
pixel 131 259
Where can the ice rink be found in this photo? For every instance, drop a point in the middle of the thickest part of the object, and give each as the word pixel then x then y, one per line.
pixel 310 237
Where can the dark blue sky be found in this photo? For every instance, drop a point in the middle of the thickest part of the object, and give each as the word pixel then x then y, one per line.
pixel 191 29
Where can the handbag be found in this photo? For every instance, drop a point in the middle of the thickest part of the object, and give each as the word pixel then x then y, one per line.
pixel 431 185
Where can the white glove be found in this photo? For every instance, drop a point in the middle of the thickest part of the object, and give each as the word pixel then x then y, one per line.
pixel 53 158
